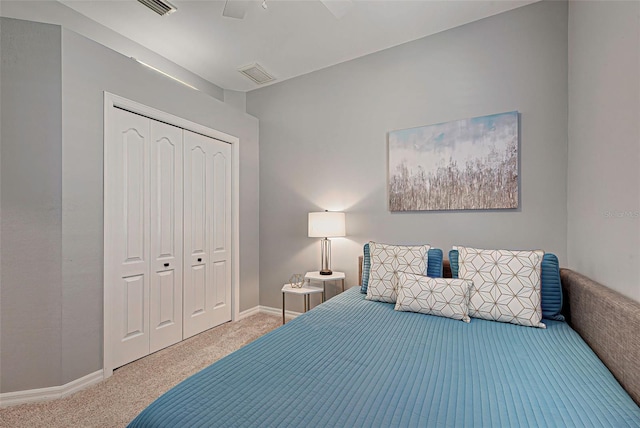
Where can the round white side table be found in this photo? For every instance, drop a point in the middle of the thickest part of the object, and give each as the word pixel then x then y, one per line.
pixel 316 277
pixel 305 291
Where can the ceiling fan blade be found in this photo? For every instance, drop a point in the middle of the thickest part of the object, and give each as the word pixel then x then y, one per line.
pixel 338 8
pixel 235 8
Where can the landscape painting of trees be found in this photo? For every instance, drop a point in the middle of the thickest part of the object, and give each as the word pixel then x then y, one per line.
pixel 467 164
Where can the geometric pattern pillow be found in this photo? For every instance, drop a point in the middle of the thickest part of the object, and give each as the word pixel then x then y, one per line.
pixel 444 297
pixel 550 284
pixel 386 261
pixel 434 265
pixel 506 284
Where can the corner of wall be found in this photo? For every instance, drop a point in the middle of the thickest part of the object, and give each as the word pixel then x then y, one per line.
pixel 236 99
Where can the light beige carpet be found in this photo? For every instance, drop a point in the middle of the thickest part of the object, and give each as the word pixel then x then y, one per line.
pixel 117 400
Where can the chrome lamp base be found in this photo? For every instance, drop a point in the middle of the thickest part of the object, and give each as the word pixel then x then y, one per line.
pixel 325 249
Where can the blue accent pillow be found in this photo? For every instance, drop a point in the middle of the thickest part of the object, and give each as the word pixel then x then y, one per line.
pixel 453 262
pixel 434 265
pixel 550 285
pixel 366 267
pixel 551 299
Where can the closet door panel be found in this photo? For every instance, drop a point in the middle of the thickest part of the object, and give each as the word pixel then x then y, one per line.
pixel 207 232
pixel 127 205
pixel 196 226
pixel 199 291
pixel 167 299
pixel 133 292
pixel 197 208
pixel 220 292
pixel 221 236
pixel 166 235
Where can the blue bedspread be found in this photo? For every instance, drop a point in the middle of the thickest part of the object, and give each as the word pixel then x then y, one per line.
pixel 350 362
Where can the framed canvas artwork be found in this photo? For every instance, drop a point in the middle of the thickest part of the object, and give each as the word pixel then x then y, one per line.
pixel 467 164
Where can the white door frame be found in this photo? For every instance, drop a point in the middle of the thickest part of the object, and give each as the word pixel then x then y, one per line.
pixel 110 101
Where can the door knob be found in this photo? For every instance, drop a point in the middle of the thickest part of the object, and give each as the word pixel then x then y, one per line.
pixel 166 265
pixel 199 259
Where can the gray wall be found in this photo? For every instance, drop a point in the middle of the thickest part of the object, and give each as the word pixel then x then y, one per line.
pixel 604 143
pixel 323 141
pixel 31 200
pixel 70 173
pixel 54 12
pixel 236 99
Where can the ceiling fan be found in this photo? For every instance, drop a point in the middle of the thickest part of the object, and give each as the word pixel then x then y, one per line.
pixel 237 8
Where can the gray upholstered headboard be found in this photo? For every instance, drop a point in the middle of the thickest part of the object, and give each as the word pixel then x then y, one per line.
pixel 610 324
pixel 608 321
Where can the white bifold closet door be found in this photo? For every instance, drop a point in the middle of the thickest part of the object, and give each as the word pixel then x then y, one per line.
pixel 165 297
pixel 167 232
pixel 145 199
pixel 207 237
pixel 127 190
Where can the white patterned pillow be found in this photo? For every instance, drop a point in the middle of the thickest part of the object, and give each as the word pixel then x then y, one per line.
pixel 444 297
pixel 386 261
pixel 506 284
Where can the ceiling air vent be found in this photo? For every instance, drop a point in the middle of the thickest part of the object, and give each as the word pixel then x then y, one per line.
pixel 160 7
pixel 256 73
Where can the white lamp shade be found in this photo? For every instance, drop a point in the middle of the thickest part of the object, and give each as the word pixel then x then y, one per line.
pixel 326 224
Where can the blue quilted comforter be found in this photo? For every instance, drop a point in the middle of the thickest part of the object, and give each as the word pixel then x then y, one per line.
pixel 354 363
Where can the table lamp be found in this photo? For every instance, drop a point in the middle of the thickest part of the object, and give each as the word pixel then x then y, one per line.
pixel 326 225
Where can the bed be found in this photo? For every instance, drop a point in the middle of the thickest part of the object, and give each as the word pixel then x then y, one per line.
pixel 351 362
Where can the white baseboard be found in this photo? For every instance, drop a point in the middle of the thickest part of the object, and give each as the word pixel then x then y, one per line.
pixel 278 311
pixel 266 310
pixel 247 313
pixel 41 394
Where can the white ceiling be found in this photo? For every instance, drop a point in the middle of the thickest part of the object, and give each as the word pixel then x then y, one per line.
pixel 288 39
